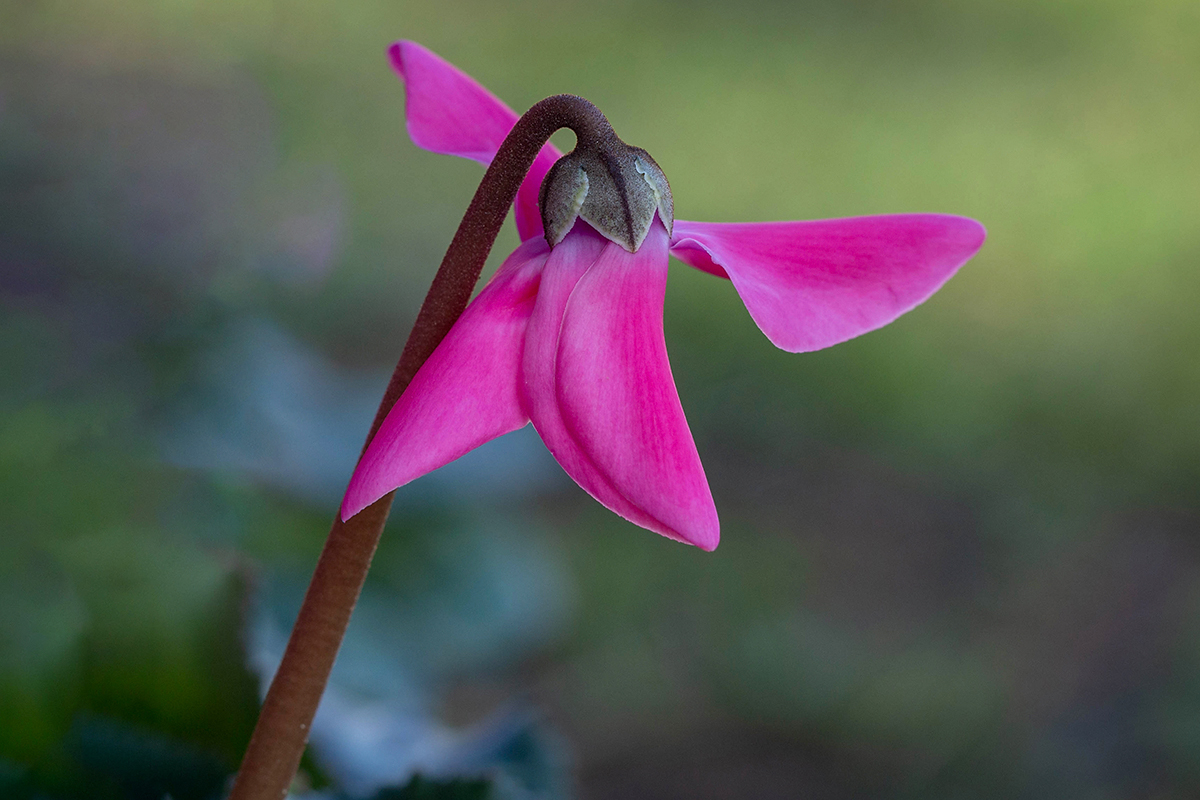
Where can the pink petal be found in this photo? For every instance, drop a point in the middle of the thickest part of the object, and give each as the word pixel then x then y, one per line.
pixel 448 112
pixel 617 396
pixel 464 395
pixel 567 263
pixel 810 285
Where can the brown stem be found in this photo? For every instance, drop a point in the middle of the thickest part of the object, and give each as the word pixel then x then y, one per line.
pixel 279 738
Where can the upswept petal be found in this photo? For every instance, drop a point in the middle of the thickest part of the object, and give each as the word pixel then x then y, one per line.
pixel 465 394
pixel 617 396
pixel 809 285
pixel 568 262
pixel 447 111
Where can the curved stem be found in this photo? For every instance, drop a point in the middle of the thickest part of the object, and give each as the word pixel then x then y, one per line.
pixel 279 738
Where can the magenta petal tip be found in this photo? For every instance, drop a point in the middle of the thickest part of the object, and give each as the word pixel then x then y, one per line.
pixel 812 284
pixel 447 111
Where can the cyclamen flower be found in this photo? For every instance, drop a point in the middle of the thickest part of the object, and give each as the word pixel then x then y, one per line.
pixel 570 336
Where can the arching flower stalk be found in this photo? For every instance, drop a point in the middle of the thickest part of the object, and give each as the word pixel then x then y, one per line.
pixel 568 334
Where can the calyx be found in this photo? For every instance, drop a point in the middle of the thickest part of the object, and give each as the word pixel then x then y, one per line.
pixel 614 187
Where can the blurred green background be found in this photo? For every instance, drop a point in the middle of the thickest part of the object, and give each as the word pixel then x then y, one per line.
pixel 959 555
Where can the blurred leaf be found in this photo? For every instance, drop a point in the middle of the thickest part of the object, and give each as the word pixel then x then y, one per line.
pixel 144 765
pixel 428 615
pixel 43 626
pixel 420 788
pixel 113 635
pixel 164 645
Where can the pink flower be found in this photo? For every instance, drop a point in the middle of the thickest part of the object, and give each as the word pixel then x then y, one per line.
pixel 571 338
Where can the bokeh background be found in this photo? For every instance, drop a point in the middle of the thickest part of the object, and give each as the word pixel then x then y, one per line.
pixel 959 555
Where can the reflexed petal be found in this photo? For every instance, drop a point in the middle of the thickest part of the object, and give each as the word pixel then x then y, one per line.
pixel 448 112
pixel 567 263
pixel 617 396
pixel 810 285
pixel 464 395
